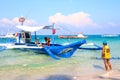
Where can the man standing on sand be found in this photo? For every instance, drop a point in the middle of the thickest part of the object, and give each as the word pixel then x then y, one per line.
pixel 106 56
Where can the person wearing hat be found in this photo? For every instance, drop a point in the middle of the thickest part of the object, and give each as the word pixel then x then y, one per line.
pixel 106 56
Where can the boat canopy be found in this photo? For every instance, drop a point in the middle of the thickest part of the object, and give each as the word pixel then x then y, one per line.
pixel 34 28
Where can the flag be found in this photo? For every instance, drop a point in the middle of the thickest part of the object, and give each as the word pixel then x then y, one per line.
pixel 16 35
pixel 54 31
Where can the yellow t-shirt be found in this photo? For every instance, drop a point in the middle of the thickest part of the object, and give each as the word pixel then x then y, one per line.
pixel 106 52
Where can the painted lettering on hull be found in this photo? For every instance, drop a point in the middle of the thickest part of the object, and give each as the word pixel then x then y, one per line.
pixel 66 50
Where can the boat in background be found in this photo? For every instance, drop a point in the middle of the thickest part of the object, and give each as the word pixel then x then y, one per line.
pixel 80 35
pixel 110 35
pixel 8 35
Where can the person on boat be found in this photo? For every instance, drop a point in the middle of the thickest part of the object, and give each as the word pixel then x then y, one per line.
pixel 47 41
pixel 106 56
pixel 37 41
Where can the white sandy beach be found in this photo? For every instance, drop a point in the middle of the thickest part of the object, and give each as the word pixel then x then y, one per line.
pixel 71 71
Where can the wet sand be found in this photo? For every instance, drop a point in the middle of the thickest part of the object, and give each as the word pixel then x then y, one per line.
pixel 70 72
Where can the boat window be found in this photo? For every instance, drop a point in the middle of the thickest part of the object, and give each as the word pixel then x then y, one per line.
pixel 23 35
pixel 27 35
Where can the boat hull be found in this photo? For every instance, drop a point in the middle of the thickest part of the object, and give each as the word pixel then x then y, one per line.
pixel 56 51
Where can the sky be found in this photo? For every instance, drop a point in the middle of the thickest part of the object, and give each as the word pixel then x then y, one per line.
pixel 71 16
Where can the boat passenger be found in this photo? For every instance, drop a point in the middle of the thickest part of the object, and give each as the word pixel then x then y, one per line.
pixel 40 45
pixel 45 40
pixel 48 41
pixel 37 41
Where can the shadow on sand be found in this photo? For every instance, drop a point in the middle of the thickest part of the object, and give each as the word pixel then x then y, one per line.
pixel 51 77
pixel 59 77
pixel 98 67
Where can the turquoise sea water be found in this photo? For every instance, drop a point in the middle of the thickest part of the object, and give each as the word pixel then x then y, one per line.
pixel 29 63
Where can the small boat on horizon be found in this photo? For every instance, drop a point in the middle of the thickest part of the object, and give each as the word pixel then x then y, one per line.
pixel 8 35
pixel 80 35
pixel 110 35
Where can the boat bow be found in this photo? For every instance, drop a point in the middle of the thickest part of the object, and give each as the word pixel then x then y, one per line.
pixel 63 51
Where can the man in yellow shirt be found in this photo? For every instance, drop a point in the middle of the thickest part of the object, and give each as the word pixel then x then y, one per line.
pixel 106 56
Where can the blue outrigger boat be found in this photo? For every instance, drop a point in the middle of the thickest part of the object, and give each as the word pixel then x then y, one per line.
pixel 56 51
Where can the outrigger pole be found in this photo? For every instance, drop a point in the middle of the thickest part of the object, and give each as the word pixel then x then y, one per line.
pixel 52 34
pixel 21 20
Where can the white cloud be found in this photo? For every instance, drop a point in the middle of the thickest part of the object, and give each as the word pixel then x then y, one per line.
pixel 5 22
pixel 75 19
pixel 113 24
pixel 9 24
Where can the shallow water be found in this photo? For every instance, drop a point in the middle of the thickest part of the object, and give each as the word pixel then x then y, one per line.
pixel 19 65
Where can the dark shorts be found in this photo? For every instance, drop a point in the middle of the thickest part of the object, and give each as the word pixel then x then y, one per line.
pixel 106 60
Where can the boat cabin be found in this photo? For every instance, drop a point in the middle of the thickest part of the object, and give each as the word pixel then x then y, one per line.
pixel 23 37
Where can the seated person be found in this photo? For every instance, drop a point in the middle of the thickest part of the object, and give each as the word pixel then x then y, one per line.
pixel 48 41
pixel 45 40
pixel 37 41
pixel 39 44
